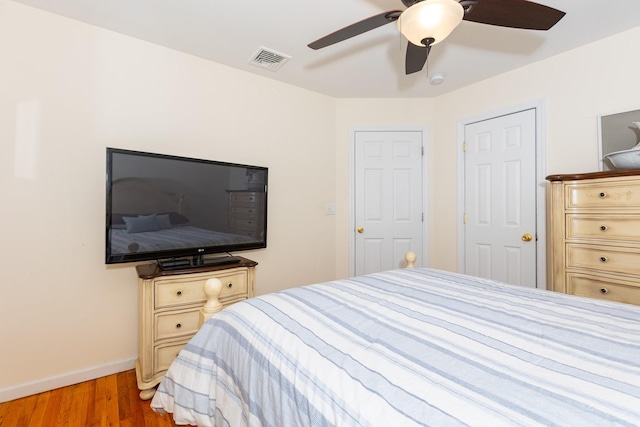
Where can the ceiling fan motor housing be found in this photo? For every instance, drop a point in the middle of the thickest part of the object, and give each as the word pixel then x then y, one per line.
pixel 430 19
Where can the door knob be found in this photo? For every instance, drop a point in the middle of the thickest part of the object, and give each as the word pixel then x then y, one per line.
pixel 526 237
pixel 360 229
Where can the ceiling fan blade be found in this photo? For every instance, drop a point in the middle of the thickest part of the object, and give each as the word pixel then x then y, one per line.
pixel 513 13
pixel 416 57
pixel 356 29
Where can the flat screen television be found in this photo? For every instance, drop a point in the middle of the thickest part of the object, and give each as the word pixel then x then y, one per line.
pixel 176 209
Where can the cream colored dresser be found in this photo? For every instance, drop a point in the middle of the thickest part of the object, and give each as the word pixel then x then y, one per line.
pixel 169 304
pixel 594 235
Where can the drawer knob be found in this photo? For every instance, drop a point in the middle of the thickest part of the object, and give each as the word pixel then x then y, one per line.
pixel 230 285
pixel 603 195
pixel 603 228
pixel 604 290
pixel 179 325
pixel 179 293
pixel 603 258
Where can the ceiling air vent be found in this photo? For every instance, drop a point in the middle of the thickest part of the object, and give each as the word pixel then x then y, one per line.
pixel 269 59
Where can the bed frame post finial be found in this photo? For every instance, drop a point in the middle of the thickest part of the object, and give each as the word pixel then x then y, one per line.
pixel 410 257
pixel 212 288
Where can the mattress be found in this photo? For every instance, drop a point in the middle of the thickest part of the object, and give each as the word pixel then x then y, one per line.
pixel 411 347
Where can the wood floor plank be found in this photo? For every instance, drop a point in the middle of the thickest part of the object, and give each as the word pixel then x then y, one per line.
pixel 12 413
pixel 4 410
pixel 137 416
pixel 124 405
pixel 51 412
pixel 79 404
pixel 91 402
pixel 100 403
pixel 37 417
pixel 151 419
pixel 113 418
pixel 28 408
pixel 66 403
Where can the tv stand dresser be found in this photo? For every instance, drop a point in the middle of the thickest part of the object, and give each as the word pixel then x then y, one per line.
pixel 170 303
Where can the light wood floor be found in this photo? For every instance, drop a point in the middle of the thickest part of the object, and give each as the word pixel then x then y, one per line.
pixel 107 401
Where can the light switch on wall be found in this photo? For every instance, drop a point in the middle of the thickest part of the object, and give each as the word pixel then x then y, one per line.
pixel 330 209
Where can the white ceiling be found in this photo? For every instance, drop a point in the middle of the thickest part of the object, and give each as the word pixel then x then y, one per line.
pixel 370 65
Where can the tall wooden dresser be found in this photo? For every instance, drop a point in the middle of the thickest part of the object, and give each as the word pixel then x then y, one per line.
pixel 245 208
pixel 169 313
pixel 593 230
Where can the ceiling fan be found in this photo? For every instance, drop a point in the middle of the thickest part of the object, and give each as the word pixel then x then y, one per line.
pixel 427 22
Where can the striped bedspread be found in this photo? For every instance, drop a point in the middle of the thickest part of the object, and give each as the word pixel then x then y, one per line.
pixel 410 348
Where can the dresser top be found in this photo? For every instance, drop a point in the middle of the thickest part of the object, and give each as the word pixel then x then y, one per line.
pixel 150 271
pixel 593 175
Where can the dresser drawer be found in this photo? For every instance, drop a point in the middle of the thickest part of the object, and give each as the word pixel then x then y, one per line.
pixel 173 292
pixel 602 288
pixel 244 212
pixel 608 227
pixel 244 199
pixel 246 223
pixel 234 286
pixel 165 354
pixel 179 292
pixel 176 324
pixel 609 195
pixel 603 258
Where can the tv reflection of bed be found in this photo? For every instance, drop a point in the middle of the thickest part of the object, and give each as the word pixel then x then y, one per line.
pixel 410 347
pixel 146 220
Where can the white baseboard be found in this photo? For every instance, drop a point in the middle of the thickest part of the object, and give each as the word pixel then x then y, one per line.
pixel 63 380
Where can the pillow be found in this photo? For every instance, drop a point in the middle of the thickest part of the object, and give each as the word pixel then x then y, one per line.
pixel 141 223
pixel 117 220
pixel 177 218
pixel 164 222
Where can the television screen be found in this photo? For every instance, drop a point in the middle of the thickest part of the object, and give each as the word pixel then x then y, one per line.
pixel 164 208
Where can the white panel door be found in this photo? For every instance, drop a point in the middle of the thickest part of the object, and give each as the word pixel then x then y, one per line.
pixel 500 198
pixel 388 199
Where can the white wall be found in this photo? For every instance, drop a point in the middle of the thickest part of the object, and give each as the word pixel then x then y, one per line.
pixel 68 91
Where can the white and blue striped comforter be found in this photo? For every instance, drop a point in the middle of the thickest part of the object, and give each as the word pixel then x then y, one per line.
pixel 410 348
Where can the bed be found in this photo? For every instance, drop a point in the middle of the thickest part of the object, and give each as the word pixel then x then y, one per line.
pixel 173 237
pixel 410 347
pixel 147 218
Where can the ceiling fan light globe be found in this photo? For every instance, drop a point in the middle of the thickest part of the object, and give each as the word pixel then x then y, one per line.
pixel 430 19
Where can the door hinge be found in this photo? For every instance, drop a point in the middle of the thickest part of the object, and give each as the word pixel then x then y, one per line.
pixel 464 218
pixel 422 151
pixel 464 146
pixel 422 216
